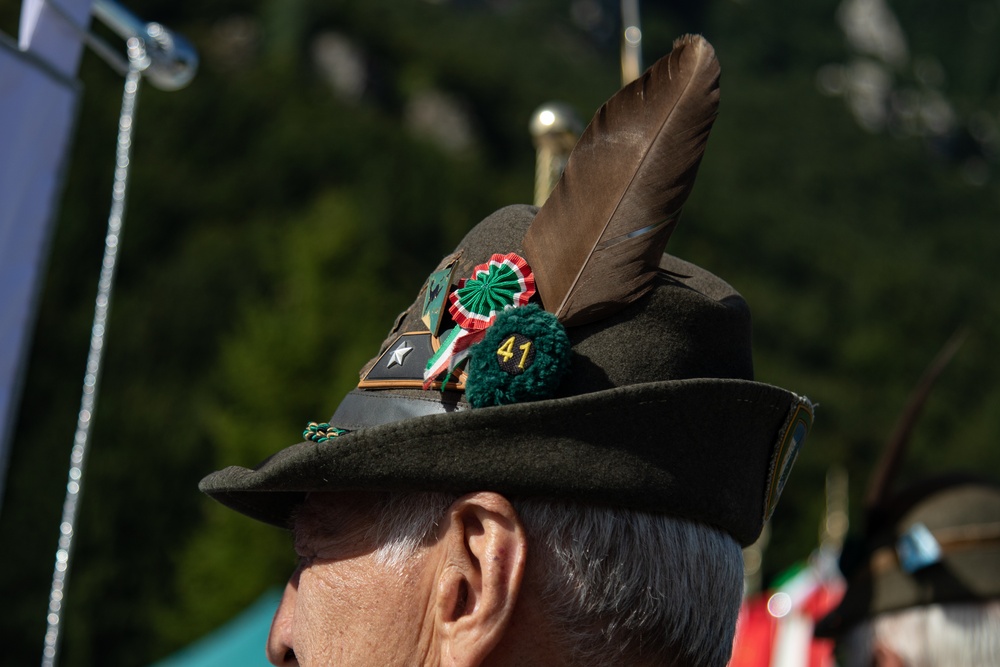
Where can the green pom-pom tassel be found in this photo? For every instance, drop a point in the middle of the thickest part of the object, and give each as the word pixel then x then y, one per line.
pixel 523 357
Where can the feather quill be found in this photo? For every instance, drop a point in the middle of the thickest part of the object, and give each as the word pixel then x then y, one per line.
pixel 595 244
pixel 880 486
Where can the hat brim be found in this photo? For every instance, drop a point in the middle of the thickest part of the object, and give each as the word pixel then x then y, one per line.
pixel 698 449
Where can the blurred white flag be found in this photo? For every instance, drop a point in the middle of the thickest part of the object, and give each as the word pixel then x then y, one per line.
pixel 38 98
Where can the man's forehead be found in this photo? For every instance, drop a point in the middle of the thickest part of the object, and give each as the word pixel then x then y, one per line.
pixel 330 513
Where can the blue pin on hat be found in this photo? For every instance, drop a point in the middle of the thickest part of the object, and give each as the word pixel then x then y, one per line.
pixel 917 548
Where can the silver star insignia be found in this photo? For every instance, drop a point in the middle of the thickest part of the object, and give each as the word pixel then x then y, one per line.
pixel 399 355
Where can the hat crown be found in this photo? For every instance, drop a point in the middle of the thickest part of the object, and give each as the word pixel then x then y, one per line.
pixel 690 325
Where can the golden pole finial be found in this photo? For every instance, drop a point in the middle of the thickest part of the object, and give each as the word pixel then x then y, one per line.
pixel 631 42
pixel 554 130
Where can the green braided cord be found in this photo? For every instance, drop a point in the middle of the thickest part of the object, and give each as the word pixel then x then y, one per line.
pixel 322 432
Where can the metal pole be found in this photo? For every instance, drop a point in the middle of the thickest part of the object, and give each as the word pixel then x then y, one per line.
pixel 171 61
pixel 554 130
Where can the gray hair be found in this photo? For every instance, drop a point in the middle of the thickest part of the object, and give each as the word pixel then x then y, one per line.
pixel 935 635
pixel 619 585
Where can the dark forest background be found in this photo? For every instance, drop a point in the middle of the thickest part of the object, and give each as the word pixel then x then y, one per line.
pixel 289 202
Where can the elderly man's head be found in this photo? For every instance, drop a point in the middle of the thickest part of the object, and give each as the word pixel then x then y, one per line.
pixel 559 449
pixel 428 578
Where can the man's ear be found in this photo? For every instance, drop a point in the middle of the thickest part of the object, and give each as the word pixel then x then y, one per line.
pixel 483 560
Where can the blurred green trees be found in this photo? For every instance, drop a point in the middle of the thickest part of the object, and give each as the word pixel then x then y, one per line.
pixel 283 210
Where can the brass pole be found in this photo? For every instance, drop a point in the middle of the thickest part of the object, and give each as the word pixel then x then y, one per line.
pixel 631 42
pixel 555 129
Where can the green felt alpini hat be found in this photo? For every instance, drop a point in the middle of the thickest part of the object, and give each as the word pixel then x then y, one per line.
pixel 559 353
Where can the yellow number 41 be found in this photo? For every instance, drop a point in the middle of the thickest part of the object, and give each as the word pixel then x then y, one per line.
pixel 507 351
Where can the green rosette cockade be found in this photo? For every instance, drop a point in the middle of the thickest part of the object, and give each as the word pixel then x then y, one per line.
pixel 523 357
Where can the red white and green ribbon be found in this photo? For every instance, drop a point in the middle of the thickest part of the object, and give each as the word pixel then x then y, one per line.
pixel 505 281
pixel 444 358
